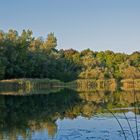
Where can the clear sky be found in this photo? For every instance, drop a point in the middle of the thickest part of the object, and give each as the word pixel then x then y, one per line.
pixel 96 24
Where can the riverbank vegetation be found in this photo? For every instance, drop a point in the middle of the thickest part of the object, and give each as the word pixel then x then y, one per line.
pixel 24 56
pixel 30 86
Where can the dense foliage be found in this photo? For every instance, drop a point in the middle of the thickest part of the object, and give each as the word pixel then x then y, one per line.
pixel 24 56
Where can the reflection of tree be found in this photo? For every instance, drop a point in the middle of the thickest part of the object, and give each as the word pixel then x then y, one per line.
pixel 22 115
pixel 135 103
pixel 110 99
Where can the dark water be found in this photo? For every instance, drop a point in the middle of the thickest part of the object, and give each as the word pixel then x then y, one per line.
pixel 70 115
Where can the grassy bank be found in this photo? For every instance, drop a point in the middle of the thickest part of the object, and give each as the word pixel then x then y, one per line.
pixel 29 85
pixel 92 84
pixel 130 84
pixel 21 86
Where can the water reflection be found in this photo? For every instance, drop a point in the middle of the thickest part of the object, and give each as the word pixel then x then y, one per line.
pixel 67 114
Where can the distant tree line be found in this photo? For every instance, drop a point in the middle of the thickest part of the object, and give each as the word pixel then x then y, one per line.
pixel 24 56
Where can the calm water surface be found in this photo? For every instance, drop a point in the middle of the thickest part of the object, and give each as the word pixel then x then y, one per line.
pixel 69 115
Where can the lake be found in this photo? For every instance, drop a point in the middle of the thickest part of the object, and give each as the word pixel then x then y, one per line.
pixel 65 114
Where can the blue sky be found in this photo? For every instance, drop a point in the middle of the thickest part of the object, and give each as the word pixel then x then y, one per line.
pixel 96 24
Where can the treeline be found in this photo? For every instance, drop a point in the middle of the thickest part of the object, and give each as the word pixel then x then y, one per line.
pixel 24 56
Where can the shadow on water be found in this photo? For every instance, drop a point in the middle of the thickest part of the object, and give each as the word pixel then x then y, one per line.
pixel 23 116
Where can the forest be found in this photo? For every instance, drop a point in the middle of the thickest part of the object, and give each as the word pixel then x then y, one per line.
pixel 25 56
